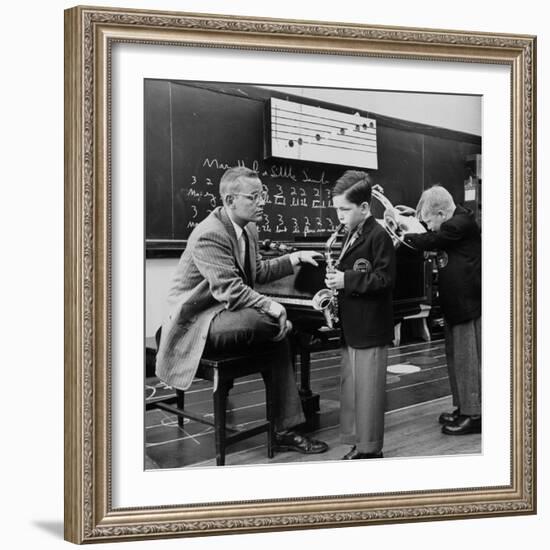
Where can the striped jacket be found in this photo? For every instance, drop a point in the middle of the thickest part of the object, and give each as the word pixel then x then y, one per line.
pixel 209 278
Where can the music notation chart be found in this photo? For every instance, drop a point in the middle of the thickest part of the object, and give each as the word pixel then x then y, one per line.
pixel 303 132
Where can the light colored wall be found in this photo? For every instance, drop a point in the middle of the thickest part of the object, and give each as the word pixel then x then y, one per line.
pixel 454 112
pixel 158 273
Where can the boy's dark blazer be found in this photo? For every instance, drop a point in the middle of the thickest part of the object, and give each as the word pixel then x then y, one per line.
pixel 366 302
pixel 458 243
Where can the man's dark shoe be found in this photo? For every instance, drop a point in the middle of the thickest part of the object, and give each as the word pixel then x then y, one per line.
pixel 292 441
pixel 448 417
pixel 354 454
pixel 463 425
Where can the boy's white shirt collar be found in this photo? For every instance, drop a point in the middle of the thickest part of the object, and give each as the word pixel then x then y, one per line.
pixel 359 227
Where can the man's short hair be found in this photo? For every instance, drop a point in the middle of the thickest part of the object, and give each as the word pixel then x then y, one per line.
pixel 436 199
pixel 355 185
pixel 232 178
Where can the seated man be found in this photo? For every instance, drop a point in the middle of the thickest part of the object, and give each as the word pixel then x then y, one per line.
pixel 213 305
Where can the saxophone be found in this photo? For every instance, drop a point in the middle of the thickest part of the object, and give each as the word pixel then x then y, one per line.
pixel 326 300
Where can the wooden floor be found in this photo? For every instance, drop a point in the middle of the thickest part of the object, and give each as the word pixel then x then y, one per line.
pixel 417 391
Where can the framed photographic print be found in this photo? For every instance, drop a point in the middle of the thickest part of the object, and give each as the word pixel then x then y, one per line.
pixel 166 435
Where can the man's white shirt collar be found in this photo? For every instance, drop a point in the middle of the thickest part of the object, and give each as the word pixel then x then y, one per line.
pixel 238 229
pixel 239 233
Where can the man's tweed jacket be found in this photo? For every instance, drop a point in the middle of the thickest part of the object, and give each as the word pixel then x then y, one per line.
pixel 209 277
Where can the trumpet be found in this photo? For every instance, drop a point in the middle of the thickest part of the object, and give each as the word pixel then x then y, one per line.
pixel 394 222
pixel 326 300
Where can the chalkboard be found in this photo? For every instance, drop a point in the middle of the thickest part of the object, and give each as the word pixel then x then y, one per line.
pixel 209 132
pixel 195 131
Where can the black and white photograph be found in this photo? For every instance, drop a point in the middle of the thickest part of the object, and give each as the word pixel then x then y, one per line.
pixel 279 239
pixel 246 246
pixel 312 274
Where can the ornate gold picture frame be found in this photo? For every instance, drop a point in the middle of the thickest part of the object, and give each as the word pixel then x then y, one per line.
pixel 90 35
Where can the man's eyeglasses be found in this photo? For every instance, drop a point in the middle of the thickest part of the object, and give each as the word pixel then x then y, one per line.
pixel 255 197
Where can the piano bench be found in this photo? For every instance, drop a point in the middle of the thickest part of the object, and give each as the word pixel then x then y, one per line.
pixel 223 370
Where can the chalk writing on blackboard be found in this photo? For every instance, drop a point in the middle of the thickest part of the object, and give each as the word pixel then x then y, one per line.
pixel 298 199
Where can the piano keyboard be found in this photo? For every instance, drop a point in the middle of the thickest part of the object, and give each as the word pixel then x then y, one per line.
pixel 287 301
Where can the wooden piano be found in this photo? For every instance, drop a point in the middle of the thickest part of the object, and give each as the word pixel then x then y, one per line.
pixel 295 292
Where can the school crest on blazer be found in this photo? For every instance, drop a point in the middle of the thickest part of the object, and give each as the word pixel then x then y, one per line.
pixel 362 265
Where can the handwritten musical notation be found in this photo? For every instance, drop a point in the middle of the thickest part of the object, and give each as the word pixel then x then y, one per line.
pixel 298 199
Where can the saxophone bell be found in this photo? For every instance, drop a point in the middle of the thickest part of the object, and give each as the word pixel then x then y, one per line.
pixel 323 302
